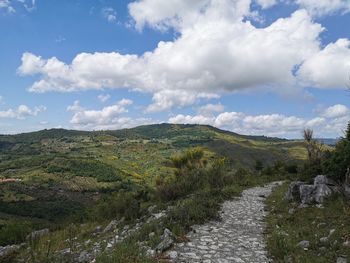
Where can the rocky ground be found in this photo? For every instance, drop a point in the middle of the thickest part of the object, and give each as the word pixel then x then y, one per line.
pixel 237 237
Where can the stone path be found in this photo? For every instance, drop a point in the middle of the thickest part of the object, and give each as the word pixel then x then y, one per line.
pixel 238 237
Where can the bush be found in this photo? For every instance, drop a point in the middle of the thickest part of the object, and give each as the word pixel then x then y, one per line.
pixel 336 166
pixel 14 233
pixel 85 168
pixel 122 204
pixel 190 175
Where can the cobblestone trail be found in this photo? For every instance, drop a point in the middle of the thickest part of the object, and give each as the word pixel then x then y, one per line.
pixel 238 237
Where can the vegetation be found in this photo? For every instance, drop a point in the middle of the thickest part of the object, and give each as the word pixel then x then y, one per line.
pixel 62 178
pixel 338 161
pixel 326 228
pixel 286 228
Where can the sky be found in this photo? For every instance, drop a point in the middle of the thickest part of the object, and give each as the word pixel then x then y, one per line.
pixel 257 67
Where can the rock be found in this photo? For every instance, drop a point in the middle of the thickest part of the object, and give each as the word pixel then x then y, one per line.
pixel 151 235
pixel 38 234
pixel 322 192
pixel 159 215
pixel 324 239
pixel 109 245
pixel 341 260
pixel 98 229
pixel 150 253
pixel 8 250
pixel 304 244
pixel 173 255
pixel 111 226
pixel 167 239
pixel 322 188
pixel 151 209
pixel 346 190
pixel 331 232
pixel 293 193
pixel 84 257
pixel 322 179
pixel 291 211
pixel 307 194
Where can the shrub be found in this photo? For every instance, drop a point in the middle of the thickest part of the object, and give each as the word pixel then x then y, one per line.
pixel 336 166
pixel 190 175
pixel 14 233
pixel 118 205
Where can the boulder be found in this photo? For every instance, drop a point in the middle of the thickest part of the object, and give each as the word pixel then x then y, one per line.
pixel 167 240
pixel 322 179
pixel 307 194
pixel 321 189
pixel 346 190
pixel 38 234
pixel 293 193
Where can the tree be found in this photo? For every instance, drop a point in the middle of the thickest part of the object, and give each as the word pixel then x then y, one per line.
pixel 315 155
pixel 339 162
pixel 308 138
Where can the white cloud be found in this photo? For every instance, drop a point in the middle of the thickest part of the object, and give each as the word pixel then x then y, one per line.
pixel 6 4
pixel 163 14
pixel 271 124
pixel 217 50
pixel 209 109
pixel 325 7
pixel 29 5
pixel 104 97
pixel 110 14
pixel 329 68
pixel 21 112
pixel 110 117
pixel 336 111
pixel 266 3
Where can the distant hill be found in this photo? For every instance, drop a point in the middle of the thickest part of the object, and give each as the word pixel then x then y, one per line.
pixel 51 175
pixel 328 141
pixel 241 149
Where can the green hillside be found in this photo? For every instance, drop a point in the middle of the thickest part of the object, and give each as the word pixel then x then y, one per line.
pixel 54 176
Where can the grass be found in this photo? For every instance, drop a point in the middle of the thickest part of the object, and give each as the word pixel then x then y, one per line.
pixel 126 252
pixel 285 230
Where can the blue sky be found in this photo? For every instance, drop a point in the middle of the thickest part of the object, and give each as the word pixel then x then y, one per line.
pixel 250 66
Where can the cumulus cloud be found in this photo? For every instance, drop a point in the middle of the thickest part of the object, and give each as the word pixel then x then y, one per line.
pixel 333 121
pixel 110 14
pixel 266 3
pixel 324 7
pixel 217 50
pixel 110 117
pixel 21 112
pixel 103 97
pixel 328 68
pixel 336 111
pixel 210 109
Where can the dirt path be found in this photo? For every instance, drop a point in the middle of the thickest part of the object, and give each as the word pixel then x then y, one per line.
pixel 238 237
